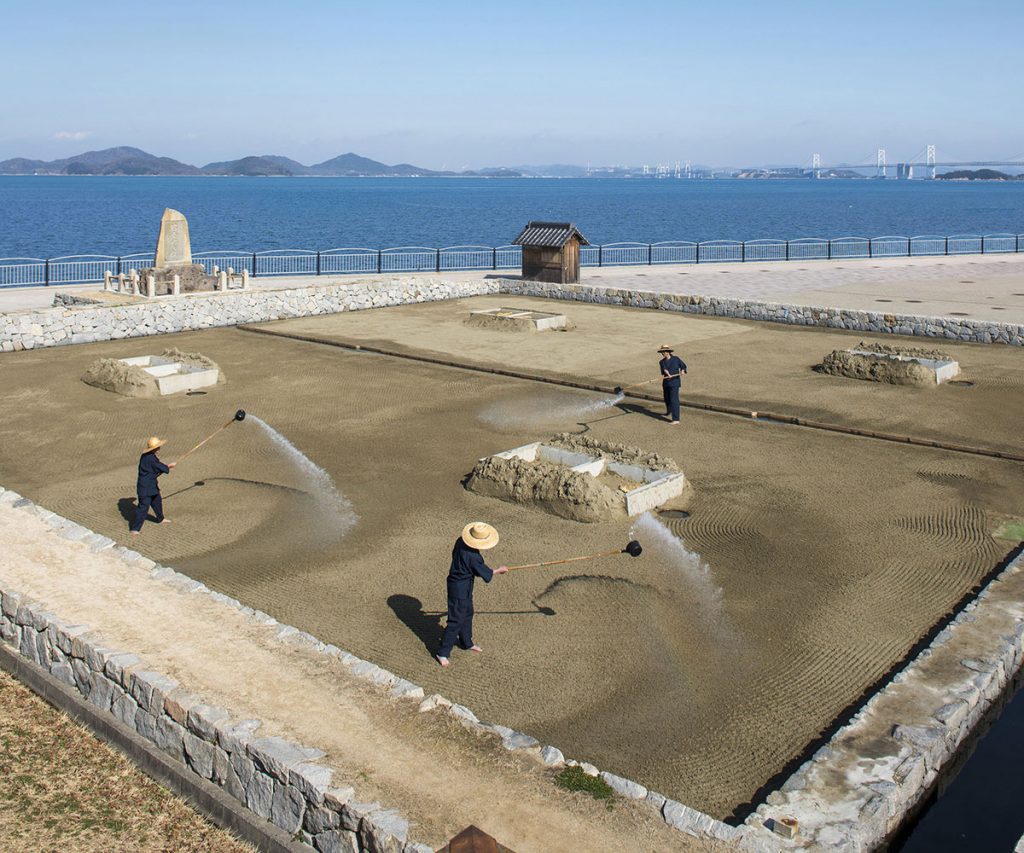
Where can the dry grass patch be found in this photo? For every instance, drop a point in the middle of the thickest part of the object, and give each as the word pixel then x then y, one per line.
pixel 62 789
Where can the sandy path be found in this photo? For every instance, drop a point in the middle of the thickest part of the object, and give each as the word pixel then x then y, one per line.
pixel 439 775
pixel 833 554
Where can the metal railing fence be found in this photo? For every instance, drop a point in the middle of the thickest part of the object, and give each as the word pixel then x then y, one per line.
pixel 85 269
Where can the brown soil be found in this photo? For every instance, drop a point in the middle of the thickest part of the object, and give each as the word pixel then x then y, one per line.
pixel 833 554
pixel 61 789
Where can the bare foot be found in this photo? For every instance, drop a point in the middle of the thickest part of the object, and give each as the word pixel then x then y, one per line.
pixel 135 532
pixel 475 648
pixel 441 660
pixel 168 521
pixel 675 423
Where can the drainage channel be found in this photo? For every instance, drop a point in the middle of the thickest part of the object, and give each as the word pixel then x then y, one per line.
pixel 975 804
pixel 735 411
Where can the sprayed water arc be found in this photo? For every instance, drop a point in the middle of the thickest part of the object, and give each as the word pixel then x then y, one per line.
pixel 315 479
pixel 537 411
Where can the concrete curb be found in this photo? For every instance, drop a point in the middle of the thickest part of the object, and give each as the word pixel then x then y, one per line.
pixel 204 796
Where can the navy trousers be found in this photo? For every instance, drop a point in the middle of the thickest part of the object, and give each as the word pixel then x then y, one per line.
pixel 671 393
pixel 460 620
pixel 145 502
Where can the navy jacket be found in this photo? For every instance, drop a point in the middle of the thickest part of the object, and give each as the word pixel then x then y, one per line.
pixel 149 469
pixel 467 564
pixel 670 365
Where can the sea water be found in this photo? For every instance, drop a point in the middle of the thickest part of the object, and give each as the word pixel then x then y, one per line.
pixel 49 216
pixel 315 480
pixel 689 568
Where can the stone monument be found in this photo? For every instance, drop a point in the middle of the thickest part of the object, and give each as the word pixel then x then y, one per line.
pixel 174 258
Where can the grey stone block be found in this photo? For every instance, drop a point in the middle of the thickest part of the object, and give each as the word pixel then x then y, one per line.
pixel 203 720
pixel 259 794
pixel 101 692
pixel 625 787
pixel 384 832
pixel 199 754
pixel 320 819
pixel 352 814
pixel 681 817
pixel 234 737
pixel 124 708
pixel 177 704
pixel 118 667
pixel 170 738
pixel 287 808
pixel 150 688
pixel 336 841
pixel 225 776
pixel 277 756
pixel 312 781
pixel 551 756
pixel 145 725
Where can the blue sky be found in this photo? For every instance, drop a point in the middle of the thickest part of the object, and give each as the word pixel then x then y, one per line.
pixel 468 84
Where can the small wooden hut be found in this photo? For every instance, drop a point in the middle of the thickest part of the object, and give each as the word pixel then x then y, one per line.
pixel 551 252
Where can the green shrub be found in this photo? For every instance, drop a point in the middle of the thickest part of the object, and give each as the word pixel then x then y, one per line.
pixel 574 779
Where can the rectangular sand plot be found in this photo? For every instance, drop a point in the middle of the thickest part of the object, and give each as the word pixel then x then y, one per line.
pixel 517 320
pixel 943 369
pixel 647 488
pixel 174 376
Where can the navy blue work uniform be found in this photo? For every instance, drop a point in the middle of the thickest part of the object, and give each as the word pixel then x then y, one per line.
pixel 467 565
pixel 148 491
pixel 671 365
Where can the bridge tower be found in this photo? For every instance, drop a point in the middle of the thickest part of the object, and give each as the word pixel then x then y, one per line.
pixel 881 163
pixel 816 165
pixel 930 161
pixel 686 169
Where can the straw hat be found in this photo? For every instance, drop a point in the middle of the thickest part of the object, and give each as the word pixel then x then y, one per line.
pixel 155 443
pixel 665 348
pixel 479 535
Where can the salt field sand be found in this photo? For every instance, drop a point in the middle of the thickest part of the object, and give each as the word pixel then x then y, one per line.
pixel 809 565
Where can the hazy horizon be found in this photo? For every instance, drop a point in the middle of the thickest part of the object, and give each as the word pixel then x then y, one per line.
pixel 465 86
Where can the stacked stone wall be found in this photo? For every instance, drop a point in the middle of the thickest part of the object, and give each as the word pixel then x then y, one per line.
pixel 948 328
pixel 80 324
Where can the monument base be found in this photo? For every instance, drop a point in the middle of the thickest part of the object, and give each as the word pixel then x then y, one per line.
pixel 192 278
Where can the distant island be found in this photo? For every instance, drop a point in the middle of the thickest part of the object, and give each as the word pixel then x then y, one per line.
pixel 978 175
pixel 133 161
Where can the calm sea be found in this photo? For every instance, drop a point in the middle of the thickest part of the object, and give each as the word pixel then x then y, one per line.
pixel 53 216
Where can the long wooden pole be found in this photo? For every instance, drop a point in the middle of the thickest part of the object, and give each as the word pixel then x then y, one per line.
pixel 201 443
pixel 569 560
pixel 649 381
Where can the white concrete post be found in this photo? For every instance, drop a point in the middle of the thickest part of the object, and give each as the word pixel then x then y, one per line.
pixel 120 282
pixel 245 279
pixel 135 281
pixel 107 284
pixel 150 285
pixel 222 281
pixel 216 270
pixel 176 285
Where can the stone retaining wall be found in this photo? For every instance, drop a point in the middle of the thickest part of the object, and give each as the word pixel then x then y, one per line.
pixel 81 324
pixel 950 328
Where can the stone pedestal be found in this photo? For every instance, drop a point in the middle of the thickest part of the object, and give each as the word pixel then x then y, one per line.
pixel 191 278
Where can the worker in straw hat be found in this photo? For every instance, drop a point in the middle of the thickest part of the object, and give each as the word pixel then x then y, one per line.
pixel 467 565
pixel 150 468
pixel 671 366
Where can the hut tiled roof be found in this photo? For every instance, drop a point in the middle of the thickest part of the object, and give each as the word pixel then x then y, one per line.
pixel 552 234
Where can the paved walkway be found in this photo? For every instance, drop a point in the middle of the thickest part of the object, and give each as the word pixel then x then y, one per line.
pixel 983 287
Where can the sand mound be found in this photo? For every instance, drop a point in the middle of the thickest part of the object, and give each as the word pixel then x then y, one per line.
pixel 624 453
pixel 127 379
pixel 878 365
pixel 565 493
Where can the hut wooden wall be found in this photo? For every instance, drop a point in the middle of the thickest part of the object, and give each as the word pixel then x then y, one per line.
pixel 559 265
